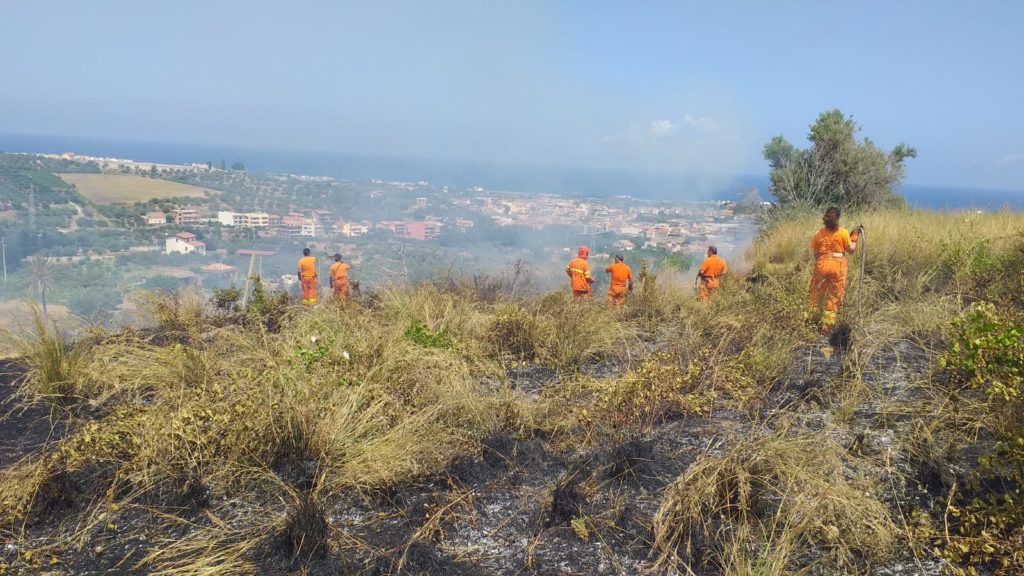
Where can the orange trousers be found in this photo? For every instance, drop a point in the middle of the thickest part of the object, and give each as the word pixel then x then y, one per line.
pixel 828 286
pixel 616 298
pixel 580 294
pixel 708 287
pixel 309 290
pixel 340 290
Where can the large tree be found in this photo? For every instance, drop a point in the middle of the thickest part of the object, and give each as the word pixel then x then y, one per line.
pixel 837 169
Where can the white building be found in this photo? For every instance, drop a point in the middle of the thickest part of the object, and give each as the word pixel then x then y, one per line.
pixel 246 220
pixel 351 228
pixel 184 243
pixel 255 220
pixel 155 219
pixel 296 224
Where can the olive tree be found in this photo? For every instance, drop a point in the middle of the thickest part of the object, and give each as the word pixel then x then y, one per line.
pixel 837 169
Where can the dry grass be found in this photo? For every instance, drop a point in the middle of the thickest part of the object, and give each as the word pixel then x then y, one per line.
pixel 769 503
pixel 18 317
pixel 183 313
pixel 569 334
pixel 909 254
pixel 219 407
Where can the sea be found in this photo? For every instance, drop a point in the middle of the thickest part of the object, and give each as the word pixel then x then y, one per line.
pixel 586 182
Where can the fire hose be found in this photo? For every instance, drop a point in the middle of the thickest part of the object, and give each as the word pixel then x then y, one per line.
pixel 863 240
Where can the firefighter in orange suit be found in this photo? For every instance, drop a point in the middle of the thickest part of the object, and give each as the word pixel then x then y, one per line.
pixel 710 271
pixel 621 282
pixel 339 277
pixel 831 244
pixel 307 277
pixel 579 274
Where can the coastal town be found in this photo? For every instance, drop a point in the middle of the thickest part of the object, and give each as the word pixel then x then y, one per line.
pixel 205 224
pixel 669 227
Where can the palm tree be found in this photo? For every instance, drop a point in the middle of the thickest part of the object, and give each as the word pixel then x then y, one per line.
pixel 41 278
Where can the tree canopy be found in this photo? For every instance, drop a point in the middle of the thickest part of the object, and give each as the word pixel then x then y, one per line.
pixel 837 169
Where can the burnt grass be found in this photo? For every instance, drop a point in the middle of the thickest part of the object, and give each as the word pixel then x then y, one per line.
pixel 511 510
pixel 523 504
pixel 23 429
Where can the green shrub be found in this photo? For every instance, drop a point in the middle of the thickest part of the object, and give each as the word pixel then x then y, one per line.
pixel 987 353
pixel 418 333
pixel 226 298
pixel 266 308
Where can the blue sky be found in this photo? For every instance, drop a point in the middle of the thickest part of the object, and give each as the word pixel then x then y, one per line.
pixel 683 86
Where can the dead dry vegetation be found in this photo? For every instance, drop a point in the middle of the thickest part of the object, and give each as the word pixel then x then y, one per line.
pixel 463 427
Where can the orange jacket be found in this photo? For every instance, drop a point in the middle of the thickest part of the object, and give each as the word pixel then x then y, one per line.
pixel 713 267
pixel 832 243
pixel 307 268
pixel 621 278
pixel 579 272
pixel 339 273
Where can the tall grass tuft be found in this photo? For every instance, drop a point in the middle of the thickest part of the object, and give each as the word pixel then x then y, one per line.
pixel 771 497
pixel 569 334
pixel 184 312
pixel 55 365
pixel 512 333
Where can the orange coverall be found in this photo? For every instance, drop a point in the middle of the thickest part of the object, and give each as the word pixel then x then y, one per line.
pixel 339 279
pixel 829 280
pixel 579 275
pixel 710 270
pixel 619 286
pixel 307 279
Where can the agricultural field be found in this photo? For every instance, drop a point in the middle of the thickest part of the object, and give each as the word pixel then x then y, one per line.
pixel 125 188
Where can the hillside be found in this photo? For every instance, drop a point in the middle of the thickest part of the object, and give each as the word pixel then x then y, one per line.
pixel 461 427
pixel 20 173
